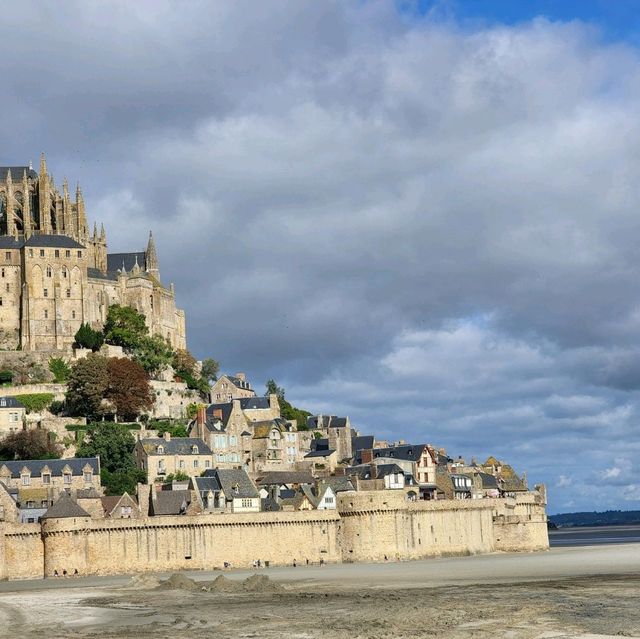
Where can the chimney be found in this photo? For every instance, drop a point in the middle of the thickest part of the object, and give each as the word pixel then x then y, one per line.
pixel 367 456
pixel 217 413
pixel 201 420
pixel 167 437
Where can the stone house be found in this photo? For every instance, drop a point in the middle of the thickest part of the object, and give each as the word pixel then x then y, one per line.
pixel 225 429
pixel 121 507
pixel 230 387
pixel 226 490
pixel 338 432
pixel 274 445
pixel 163 456
pixel 419 460
pixel 52 474
pixel 322 462
pixel 12 416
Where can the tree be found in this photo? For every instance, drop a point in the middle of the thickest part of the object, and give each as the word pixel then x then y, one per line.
pixel 128 389
pixel 287 410
pixel 87 386
pixel 175 429
pixel 86 337
pixel 154 354
pixel 192 409
pixel 60 369
pixel 114 443
pixel 125 327
pixel 30 444
pixel 210 370
pixel 184 363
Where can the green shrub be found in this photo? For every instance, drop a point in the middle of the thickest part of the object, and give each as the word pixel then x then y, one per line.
pixel 35 402
pixel 6 377
pixel 60 369
pixel 56 407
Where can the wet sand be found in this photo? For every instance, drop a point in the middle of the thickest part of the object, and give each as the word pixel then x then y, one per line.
pixel 568 592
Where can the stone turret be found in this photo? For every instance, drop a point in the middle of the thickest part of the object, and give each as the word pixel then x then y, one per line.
pixel 152 258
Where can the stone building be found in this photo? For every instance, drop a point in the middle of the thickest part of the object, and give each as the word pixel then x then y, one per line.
pixel 230 387
pixel 56 274
pixel 163 456
pixel 11 415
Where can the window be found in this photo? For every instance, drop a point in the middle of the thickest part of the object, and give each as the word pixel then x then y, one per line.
pixel 68 292
pixel 46 314
pixel 30 252
pixel 207 463
pixel 194 450
pixel 8 287
pixel 31 504
pixel 49 271
pixel 46 292
pixel 67 253
pixel 246 503
pixel 88 477
pixel 41 252
pixel 160 450
pixel 182 463
pixel 57 253
pixel 79 253
pixel 44 504
pixel 0 301
pixel 7 256
pixel 328 500
pixel 14 417
pixel 26 480
pixel 46 478
pixel 2 272
pixel 67 479
pixel 195 463
pixel 64 271
pixel 73 314
pixel 232 440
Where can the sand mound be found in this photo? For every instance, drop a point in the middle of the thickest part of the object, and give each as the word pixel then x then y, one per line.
pixel 143 582
pixel 178 581
pixel 260 583
pixel 222 584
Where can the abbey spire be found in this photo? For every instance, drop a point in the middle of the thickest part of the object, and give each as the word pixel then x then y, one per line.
pixel 152 258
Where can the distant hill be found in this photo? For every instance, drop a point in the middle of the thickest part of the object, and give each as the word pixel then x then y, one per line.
pixel 606 518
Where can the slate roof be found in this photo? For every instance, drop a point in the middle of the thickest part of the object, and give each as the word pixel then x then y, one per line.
pixel 54 241
pixel 254 402
pixel 65 507
pixel 110 503
pixel 280 478
pixel 204 484
pixel 76 464
pixel 88 493
pixel 115 260
pixel 326 421
pixel 362 442
pixel 225 411
pixel 238 383
pixel 97 274
pixel 10 402
pixel 10 242
pixel 321 443
pixel 339 484
pixel 405 452
pixel 234 482
pixel 488 481
pixel 320 453
pixel 16 173
pixel 171 502
pixel 175 446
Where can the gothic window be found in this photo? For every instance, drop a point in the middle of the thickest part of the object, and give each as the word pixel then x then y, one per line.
pixel 64 271
pixel 73 314
pixel 46 314
pixel 3 214
pixel 68 292
pixel 49 271
pixel 46 292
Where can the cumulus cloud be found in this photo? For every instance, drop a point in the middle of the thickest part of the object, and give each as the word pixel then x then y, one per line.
pixel 431 227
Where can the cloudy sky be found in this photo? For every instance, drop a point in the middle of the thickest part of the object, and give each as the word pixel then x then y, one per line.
pixel 423 215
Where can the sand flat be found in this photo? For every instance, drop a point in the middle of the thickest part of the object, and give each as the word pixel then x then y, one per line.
pixel 586 592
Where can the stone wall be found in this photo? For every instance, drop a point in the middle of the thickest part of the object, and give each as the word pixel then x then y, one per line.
pixel 379 523
pixel 201 542
pixel 367 527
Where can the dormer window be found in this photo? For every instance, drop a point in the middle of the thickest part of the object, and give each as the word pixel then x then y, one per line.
pixel 194 450
pixel 26 479
pixel 160 450
pixel 46 478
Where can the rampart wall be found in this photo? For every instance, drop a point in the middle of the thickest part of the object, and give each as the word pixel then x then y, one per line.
pixel 366 527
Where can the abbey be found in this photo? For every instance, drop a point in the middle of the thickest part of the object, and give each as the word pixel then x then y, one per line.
pixel 55 274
